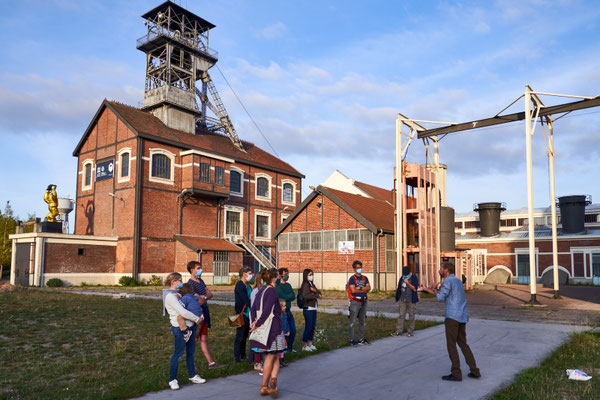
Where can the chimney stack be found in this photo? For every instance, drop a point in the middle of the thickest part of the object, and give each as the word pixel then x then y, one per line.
pixel 489 218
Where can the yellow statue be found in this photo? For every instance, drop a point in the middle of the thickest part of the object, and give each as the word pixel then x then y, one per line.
pixel 52 199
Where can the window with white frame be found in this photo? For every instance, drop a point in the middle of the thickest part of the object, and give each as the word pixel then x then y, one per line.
pixel 522 259
pixel 262 225
pixel 326 240
pixel 233 221
pixel 87 176
pixel 263 187
pixel 124 165
pixel 162 164
pixel 236 182
pixel 288 192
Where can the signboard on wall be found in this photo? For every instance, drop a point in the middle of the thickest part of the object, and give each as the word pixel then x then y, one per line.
pixel 346 247
pixel 105 170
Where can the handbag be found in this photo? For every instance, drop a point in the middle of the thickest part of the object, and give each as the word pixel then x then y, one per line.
pixel 237 320
pixel 261 333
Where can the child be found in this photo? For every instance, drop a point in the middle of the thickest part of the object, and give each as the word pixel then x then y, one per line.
pixel 190 302
pixel 286 330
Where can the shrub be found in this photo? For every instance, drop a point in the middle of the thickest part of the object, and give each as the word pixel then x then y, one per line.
pixel 127 281
pixel 155 281
pixel 54 282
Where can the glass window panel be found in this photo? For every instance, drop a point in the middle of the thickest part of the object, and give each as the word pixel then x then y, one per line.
pixel 315 241
pixel 294 242
pixel 232 223
pixel 305 241
pixel 288 194
pixel 262 187
pixel 219 176
pixel 329 241
pixel 161 166
pixel 235 182
pixel 282 242
pixel 124 165
pixel 262 226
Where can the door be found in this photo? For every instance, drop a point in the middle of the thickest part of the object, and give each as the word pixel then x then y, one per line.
pixel 22 263
pixel 479 267
pixel 596 269
pixel 523 269
pixel 221 268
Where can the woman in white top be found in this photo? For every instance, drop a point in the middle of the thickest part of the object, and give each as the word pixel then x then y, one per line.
pixel 174 307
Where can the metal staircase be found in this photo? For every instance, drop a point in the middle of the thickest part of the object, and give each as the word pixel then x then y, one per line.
pixel 257 254
pixel 219 110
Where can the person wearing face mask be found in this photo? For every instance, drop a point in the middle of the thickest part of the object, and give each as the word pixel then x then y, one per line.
pixel 175 308
pixel 242 293
pixel 407 298
pixel 286 293
pixel 195 270
pixel 310 294
pixel 358 287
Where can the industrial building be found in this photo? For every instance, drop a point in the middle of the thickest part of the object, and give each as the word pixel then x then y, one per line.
pixel 166 183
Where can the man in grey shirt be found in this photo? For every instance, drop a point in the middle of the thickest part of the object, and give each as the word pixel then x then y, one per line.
pixel 453 293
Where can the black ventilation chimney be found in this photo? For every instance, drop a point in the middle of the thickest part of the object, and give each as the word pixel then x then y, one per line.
pixel 447 234
pixel 489 218
pixel 572 212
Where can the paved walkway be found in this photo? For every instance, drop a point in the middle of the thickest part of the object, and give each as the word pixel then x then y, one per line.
pixel 399 368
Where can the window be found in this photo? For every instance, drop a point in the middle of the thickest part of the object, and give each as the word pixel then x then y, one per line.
pixel 124 165
pixel 219 176
pixel 236 178
pixel 595 265
pixel 161 166
pixel 590 218
pixel 262 187
pixel 508 222
pixel 315 241
pixel 471 224
pixel 282 242
pixel 204 172
pixel 458 225
pixel 305 241
pixel 124 161
pixel 86 179
pixel 353 236
pixel 262 226
pixel 329 243
pixel 288 192
pixel 390 253
pixel 232 223
pixel 294 242
pixel 366 239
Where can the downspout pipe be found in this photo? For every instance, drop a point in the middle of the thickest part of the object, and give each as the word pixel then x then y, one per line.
pixel 139 166
pixel 377 271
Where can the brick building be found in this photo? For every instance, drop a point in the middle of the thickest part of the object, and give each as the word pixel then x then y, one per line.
pixel 340 209
pixel 166 183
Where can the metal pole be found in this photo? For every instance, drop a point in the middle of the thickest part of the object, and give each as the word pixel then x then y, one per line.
pixel 528 134
pixel 553 207
pixel 399 190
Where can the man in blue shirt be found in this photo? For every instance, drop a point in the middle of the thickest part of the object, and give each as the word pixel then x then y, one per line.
pixel 453 293
pixel 358 286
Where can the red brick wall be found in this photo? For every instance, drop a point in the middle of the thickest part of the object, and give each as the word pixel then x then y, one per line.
pixel 63 257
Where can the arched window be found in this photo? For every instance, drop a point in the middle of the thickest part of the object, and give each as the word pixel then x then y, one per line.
pixel 87 174
pixel 235 182
pixel 124 161
pixel 288 192
pixel 161 166
pixel 262 187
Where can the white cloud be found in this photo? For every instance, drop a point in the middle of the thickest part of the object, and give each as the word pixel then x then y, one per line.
pixel 273 31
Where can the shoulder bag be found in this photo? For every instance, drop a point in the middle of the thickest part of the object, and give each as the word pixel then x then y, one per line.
pixel 261 333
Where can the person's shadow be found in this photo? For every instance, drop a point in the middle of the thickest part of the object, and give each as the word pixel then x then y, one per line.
pixel 89 214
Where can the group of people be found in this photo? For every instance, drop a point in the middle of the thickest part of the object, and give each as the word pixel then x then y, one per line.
pixel 267 307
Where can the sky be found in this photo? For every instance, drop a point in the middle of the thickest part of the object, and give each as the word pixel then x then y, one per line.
pixel 324 81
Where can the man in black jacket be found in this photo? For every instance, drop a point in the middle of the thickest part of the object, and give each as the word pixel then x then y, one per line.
pixel 242 304
pixel 407 298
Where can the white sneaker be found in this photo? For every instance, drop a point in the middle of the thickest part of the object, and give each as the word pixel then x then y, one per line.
pixel 306 348
pixel 312 347
pixel 197 379
pixel 174 384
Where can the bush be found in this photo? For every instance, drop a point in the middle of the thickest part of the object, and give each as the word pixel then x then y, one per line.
pixel 54 282
pixel 127 281
pixel 155 281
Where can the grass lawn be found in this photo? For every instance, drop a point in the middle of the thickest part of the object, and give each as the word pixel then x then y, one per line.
pixel 549 380
pixel 62 345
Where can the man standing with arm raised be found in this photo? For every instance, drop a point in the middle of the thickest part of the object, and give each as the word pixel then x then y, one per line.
pixel 453 293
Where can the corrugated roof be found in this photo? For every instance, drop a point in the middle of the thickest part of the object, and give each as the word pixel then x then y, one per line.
pixel 378 212
pixel 147 125
pixel 540 231
pixel 203 243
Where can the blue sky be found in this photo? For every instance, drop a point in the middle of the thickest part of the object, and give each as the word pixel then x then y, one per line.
pixel 324 81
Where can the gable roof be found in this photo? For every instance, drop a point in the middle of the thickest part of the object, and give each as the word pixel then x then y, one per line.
pixel 375 191
pixel 144 124
pixel 374 214
pixel 203 243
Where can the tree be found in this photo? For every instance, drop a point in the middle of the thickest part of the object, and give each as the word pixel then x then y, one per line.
pixel 8 225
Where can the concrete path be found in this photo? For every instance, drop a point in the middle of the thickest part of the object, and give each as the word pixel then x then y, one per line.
pixel 399 368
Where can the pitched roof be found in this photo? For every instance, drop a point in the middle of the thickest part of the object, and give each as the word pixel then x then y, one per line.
pixel 146 125
pixel 202 243
pixel 374 214
pixel 375 191
pixel 378 212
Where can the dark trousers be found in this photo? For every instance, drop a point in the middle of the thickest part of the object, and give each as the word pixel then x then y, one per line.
pixel 310 323
pixel 456 333
pixel 292 323
pixel 241 336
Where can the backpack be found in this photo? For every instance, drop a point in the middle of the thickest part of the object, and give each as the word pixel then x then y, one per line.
pixel 300 300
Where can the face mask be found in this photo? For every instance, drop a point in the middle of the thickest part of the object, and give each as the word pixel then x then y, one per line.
pixel 198 273
pixel 180 286
pixel 285 278
pixel 264 283
pixel 359 271
pixel 249 278
pixel 278 281
pixel 406 276
pixel 310 278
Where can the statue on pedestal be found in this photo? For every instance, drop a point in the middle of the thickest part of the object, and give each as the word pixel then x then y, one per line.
pixel 52 199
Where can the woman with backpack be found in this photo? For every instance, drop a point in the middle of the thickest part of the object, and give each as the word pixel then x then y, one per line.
pixel 309 294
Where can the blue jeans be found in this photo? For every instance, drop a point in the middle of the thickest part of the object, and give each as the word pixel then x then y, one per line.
pixel 292 324
pixel 180 346
pixel 310 323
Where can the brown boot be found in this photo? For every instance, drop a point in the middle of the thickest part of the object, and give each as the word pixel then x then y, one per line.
pixel 273 390
pixel 264 390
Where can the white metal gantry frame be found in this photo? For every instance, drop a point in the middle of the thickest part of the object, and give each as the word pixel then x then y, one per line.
pixel 530 116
